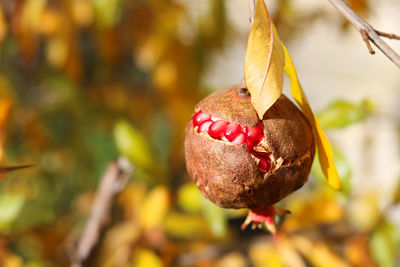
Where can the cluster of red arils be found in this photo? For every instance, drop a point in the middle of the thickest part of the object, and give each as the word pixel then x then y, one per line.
pixel 232 132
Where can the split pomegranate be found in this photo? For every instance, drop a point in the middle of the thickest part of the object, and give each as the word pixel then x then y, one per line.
pixel 239 161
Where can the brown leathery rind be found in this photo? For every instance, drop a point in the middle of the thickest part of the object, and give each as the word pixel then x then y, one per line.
pixel 228 174
pixel 226 104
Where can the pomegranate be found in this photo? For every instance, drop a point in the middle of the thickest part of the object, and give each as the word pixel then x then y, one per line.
pixel 238 161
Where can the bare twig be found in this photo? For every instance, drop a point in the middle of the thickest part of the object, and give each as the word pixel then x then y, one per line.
pixel 7 169
pixel 367 31
pixel 365 38
pixel 388 35
pixel 112 182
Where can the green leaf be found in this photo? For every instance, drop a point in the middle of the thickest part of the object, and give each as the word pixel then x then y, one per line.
pixel 108 12
pixel 131 143
pixel 189 198
pixel 342 113
pixel 186 226
pixel 215 217
pixel 343 168
pixel 10 207
pixel 383 245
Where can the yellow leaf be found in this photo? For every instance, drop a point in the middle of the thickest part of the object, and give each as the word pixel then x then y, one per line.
pixel 5 109
pixel 155 208
pixel 325 152
pixel 264 62
pixel 3 26
pixel 145 257
pixel 317 252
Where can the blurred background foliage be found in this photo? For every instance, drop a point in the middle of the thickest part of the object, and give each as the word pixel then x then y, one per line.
pixel 83 82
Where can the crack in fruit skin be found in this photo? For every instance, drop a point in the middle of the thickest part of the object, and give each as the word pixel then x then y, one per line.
pixel 219 129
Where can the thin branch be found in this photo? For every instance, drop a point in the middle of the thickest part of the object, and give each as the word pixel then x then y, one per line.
pixel 7 169
pixel 365 38
pixel 112 182
pixel 366 29
pixel 388 35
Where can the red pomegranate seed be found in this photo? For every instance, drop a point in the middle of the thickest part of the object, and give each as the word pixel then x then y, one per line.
pixel 200 117
pixel 264 164
pixel 217 129
pixel 239 139
pixel 254 133
pixel 250 144
pixel 232 131
pixel 204 127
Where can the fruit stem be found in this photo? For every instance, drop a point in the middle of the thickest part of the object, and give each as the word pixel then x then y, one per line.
pixel 266 215
pixel 243 91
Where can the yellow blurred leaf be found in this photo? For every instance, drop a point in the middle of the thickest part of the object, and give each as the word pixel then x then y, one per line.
pixel 264 254
pixel 3 25
pixel 82 12
pixel 310 210
pixel 186 226
pixel 325 152
pixel 145 258
pixel 10 260
pixel 57 52
pixel 288 254
pixel 5 108
pixel 264 62
pixel 50 22
pixel 149 53
pixel 32 14
pixel 155 207
pixel 133 144
pixel 357 251
pixel 189 197
pixel 10 207
pixel 131 200
pixel 318 253
pixel 364 213
pixel 165 75
pixel 115 250
pixel 232 259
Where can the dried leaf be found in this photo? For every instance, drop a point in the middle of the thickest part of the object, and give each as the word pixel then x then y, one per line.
pixel 325 152
pixel 264 62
